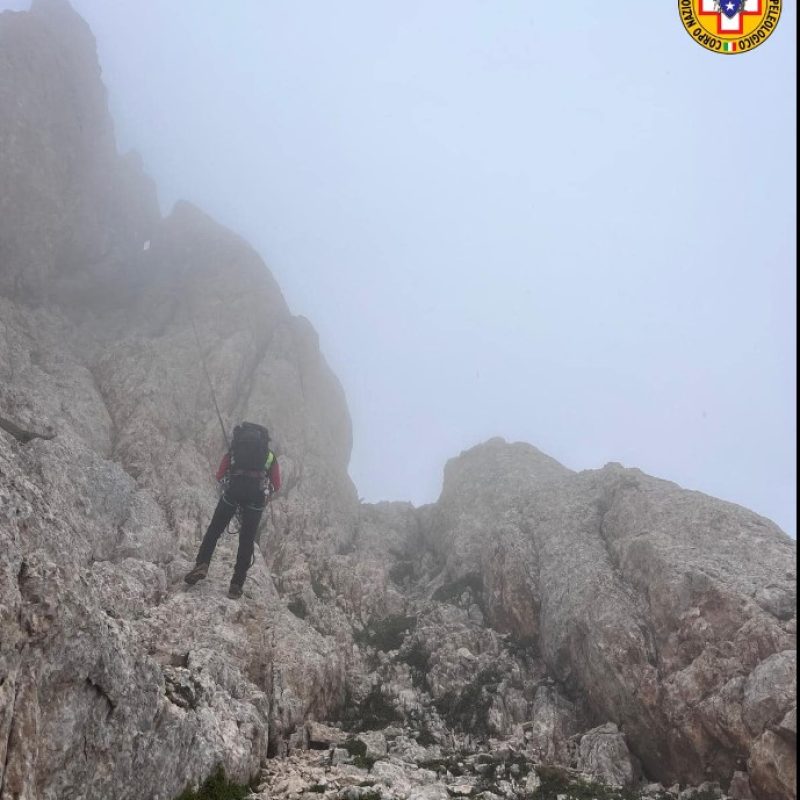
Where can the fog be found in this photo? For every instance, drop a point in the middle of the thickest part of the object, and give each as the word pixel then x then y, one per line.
pixel 573 228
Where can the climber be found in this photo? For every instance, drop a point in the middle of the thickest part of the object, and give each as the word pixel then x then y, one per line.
pixel 250 476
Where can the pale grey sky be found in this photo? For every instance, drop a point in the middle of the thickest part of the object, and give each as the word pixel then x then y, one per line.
pixel 572 227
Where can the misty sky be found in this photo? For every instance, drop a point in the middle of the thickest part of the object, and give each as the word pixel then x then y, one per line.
pixel 572 227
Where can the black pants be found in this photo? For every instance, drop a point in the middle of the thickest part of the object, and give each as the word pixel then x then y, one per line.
pixel 246 494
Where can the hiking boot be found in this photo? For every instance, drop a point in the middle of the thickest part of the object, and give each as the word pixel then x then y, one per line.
pixel 234 591
pixel 197 574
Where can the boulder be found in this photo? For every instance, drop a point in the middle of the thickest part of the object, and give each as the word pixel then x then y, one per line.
pixel 603 754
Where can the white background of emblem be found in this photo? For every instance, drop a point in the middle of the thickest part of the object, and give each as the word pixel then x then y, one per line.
pixel 726 23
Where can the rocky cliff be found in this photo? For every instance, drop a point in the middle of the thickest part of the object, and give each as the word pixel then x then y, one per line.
pixel 533 629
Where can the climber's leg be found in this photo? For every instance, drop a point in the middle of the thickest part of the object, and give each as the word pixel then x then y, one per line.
pixel 222 516
pixel 251 516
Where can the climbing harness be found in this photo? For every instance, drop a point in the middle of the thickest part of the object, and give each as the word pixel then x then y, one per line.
pixel 238 517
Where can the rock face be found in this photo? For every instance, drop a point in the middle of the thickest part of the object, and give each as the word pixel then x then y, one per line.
pixel 605 626
pixel 69 206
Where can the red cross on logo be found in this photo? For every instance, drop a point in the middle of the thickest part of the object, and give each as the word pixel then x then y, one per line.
pixel 725 24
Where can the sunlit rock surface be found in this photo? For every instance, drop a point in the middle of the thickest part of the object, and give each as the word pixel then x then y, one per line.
pixel 605 626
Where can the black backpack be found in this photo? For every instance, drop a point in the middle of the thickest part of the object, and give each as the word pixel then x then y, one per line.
pixel 250 446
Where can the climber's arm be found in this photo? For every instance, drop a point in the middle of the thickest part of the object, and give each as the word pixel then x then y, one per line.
pixel 224 466
pixel 275 476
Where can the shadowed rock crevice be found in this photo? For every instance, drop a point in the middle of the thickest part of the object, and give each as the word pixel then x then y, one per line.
pixel 20 434
pixel 102 695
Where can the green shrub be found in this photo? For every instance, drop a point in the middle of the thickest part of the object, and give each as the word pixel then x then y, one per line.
pixel 372 713
pixel 418 658
pixel 556 781
pixel 425 737
pixel 469 709
pixel 217 787
pixel 355 747
pixel 358 751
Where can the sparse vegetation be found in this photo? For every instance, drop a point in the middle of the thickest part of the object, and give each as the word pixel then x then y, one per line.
pixel 443 765
pixel 358 752
pixel 418 658
pixel 521 762
pixel 469 709
pixel 558 781
pixel 355 747
pixel 377 712
pixel 372 713
pixel 425 736
pixel 217 787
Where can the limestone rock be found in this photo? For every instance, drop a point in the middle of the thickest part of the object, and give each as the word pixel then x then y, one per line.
pixel 554 723
pixel 70 207
pixel 787 728
pixel 770 691
pixel 321 736
pixel 603 753
pixel 739 788
pixel 637 606
pixel 773 767
pixel 375 744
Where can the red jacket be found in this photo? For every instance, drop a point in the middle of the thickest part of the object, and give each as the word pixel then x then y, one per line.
pixel 274 471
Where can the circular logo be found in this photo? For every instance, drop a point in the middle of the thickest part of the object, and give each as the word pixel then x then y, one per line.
pixel 730 26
